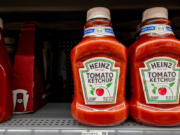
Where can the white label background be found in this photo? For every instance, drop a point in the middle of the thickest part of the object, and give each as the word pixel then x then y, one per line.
pixel 147 85
pixel 86 87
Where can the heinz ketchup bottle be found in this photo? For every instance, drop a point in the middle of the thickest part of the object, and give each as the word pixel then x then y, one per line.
pixel 155 71
pixel 99 72
pixel 6 103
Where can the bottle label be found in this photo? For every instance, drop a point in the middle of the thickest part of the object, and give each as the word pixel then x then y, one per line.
pixel 99 80
pixel 160 29
pixel 20 99
pixel 160 80
pixel 98 31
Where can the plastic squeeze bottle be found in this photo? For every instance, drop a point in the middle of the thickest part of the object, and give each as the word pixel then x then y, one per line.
pixel 155 71
pixel 99 73
pixel 6 103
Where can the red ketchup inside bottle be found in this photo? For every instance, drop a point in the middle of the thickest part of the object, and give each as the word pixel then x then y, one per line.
pixel 155 71
pixel 99 73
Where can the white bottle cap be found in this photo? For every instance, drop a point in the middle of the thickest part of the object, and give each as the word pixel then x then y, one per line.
pixel 155 12
pixel 98 12
pixel 1 23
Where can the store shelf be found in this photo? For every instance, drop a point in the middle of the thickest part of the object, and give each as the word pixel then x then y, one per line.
pixel 56 119
pixel 71 5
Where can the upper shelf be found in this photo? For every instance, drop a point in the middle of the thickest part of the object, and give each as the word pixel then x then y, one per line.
pixel 82 5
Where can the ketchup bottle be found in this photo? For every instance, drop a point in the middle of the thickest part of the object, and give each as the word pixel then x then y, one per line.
pixel 155 71
pixel 6 103
pixel 29 93
pixel 99 72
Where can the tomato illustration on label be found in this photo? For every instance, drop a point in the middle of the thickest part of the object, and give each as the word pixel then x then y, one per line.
pixel 100 91
pixel 162 91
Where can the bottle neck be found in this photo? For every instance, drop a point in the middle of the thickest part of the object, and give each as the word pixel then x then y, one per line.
pixel 157 27
pixel 98 27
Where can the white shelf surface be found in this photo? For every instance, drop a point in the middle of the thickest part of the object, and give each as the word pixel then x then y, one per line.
pixel 56 119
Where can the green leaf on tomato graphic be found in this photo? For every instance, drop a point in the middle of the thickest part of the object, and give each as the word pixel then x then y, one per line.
pixel 92 92
pixel 171 84
pixel 92 89
pixel 109 84
pixel 154 90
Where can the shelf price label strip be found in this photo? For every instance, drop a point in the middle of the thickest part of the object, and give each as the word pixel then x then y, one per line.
pixel 95 132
